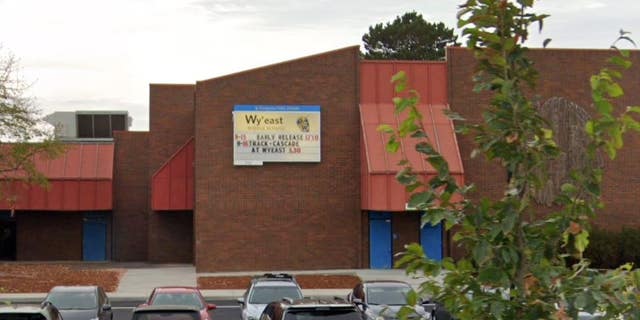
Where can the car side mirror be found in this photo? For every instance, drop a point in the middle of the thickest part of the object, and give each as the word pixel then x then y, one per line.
pixel 211 306
pixel 106 307
pixel 240 301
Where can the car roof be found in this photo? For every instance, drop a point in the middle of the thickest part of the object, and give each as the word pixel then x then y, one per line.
pixel 175 289
pixel 274 277
pixel 311 302
pixel 275 283
pixel 74 289
pixel 166 308
pixel 385 283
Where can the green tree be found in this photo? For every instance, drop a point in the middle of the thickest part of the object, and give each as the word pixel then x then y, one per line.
pixel 519 265
pixel 409 37
pixel 23 134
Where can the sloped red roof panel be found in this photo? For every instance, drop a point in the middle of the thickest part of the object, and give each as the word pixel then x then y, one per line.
pixel 81 179
pixel 429 78
pixel 438 128
pixel 380 190
pixel 172 185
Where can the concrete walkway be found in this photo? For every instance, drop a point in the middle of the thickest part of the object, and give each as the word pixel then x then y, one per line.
pixel 139 280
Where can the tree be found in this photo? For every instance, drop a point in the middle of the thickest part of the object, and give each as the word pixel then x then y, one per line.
pixel 409 37
pixel 23 134
pixel 519 264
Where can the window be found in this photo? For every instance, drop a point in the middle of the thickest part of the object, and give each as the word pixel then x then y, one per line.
pixel 100 125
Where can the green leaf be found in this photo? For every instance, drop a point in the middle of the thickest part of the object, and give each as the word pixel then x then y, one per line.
pixel 582 241
pixel 482 252
pixel 399 76
pixel 620 61
pixel 385 128
pixel 581 301
pixel 401 104
pixel 497 308
pixel 634 109
pixel 491 275
pixel 420 199
pixel 393 145
pixel 589 128
pixel 614 90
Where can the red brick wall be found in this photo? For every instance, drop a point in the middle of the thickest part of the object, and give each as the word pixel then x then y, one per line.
pixel 280 215
pixel 48 236
pixel 563 73
pixel 174 234
pixel 171 124
pixel 131 194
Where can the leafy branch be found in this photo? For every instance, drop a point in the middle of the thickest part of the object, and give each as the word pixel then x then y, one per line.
pixel 520 264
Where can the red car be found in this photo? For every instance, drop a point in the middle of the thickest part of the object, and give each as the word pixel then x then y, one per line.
pixel 180 296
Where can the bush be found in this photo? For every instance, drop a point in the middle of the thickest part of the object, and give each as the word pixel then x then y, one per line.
pixel 610 249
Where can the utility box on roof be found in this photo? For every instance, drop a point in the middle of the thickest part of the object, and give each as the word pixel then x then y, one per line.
pixel 88 125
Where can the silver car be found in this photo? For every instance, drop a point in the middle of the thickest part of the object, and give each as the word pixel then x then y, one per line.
pixel 80 302
pixel 383 299
pixel 265 289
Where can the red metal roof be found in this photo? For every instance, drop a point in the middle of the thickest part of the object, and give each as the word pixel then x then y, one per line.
pixel 380 190
pixel 172 185
pixel 81 179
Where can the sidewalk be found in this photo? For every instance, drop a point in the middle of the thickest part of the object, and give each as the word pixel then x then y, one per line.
pixel 138 281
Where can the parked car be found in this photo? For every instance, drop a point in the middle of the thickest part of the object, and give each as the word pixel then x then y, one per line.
pixel 166 312
pixel 181 296
pixel 80 302
pixel 312 309
pixel 385 298
pixel 265 289
pixel 45 311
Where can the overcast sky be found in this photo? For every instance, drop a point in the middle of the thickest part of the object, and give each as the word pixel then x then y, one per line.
pixel 102 55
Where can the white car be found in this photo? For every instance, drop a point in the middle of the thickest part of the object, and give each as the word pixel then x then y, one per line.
pixel 265 289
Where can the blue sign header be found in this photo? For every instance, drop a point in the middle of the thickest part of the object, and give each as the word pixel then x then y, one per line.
pixel 277 108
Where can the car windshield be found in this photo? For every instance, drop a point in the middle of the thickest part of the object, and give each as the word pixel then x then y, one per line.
pixel 166 315
pixel 391 295
pixel 73 300
pixel 326 314
pixel 266 294
pixel 178 299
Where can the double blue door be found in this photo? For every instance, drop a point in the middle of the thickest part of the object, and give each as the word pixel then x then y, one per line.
pixel 94 238
pixel 381 240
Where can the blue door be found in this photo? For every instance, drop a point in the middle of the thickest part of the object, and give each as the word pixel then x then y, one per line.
pixel 94 239
pixel 431 241
pixel 380 253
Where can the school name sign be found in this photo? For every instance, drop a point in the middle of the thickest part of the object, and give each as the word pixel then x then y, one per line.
pixel 275 133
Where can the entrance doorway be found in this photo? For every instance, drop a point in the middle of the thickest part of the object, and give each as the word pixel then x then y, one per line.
pixel 431 241
pixel 94 237
pixel 380 240
pixel 7 237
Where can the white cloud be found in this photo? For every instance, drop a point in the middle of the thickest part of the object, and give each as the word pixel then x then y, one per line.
pixel 84 54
